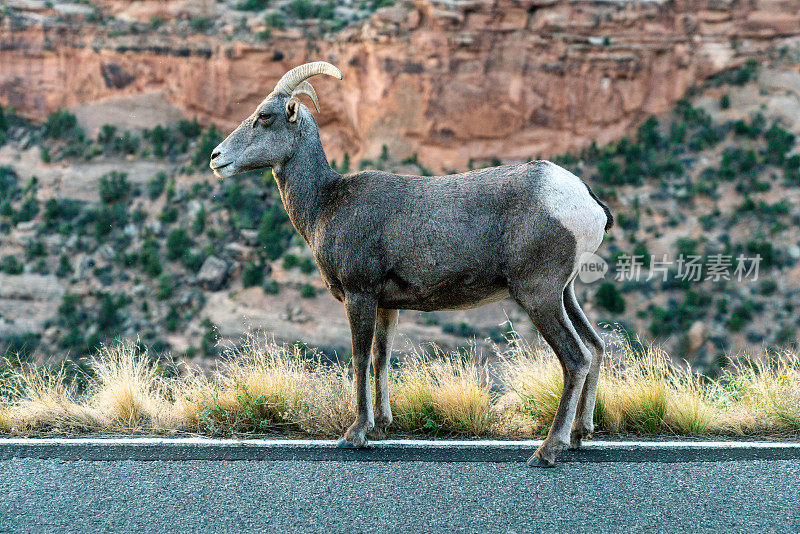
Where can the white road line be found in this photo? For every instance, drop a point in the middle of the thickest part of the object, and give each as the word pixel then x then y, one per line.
pixel 433 444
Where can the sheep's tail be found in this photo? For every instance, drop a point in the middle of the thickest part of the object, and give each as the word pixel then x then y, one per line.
pixel 609 216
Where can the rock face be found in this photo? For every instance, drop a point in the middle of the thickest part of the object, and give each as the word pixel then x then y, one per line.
pixel 450 80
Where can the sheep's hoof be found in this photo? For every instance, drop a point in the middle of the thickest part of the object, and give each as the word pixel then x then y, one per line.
pixel 378 432
pixel 535 461
pixel 578 434
pixel 345 443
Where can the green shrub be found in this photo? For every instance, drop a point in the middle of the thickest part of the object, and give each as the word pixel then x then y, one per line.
pixel 107 134
pixel 60 124
pixel 28 210
pixel 785 335
pixel 170 190
pixel 9 188
pixel 752 129
pixel 275 20
pixel 308 291
pixel 199 222
pixel 765 250
pixel 679 317
pixel 252 5
pixel 307 265
pixel 271 287
pixel 741 315
pixel 648 134
pixel 460 329
pixel 200 24
pixel 19 347
pixel 172 319
pixel 125 144
pixel 768 287
pixel 156 185
pixel 274 232
pixel 114 187
pixel 779 142
pixel 305 9
pixel 166 285
pixel 178 243
pixel 149 258
pixel 252 275
pixel 155 22
pixel 290 261
pixel 189 129
pixel 158 136
pixel 58 210
pixel 10 265
pixel 169 215
pixel 692 116
pixel 193 262
pixel 107 218
pixel 108 317
pixel 35 249
pixel 64 268
pixel 208 141
pixel 609 298
pixel 641 250
pixel 725 101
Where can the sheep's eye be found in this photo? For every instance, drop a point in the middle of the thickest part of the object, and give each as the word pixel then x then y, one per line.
pixel 264 116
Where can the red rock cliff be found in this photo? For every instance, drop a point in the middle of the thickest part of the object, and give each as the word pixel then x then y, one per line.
pixel 450 80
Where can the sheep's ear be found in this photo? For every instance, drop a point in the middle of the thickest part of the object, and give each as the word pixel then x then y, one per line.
pixel 292 109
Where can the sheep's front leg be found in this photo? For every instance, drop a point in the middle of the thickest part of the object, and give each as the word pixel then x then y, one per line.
pixel 361 312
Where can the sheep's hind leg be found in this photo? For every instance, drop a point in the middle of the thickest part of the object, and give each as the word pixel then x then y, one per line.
pixel 385 328
pixel 361 312
pixel 583 426
pixel 550 318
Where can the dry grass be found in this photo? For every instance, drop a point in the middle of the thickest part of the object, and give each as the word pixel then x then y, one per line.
pixel 263 387
pixel 763 395
pixel 441 394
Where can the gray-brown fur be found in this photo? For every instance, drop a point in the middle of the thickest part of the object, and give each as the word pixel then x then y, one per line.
pixel 385 242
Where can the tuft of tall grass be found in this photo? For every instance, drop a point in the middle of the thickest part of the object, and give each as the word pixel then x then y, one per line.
pixel 441 394
pixel 40 399
pixel 763 394
pixel 535 376
pixel 259 386
pixel 127 390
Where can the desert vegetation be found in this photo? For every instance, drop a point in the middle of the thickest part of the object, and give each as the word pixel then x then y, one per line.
pixel 700 180
pixel 260 387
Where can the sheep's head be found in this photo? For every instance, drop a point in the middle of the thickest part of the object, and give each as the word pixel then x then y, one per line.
pixel 266 138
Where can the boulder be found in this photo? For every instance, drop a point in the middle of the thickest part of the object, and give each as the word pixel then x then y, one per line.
pixel 250 237
pixel 237 251
pixel 213 273
pixel 697 335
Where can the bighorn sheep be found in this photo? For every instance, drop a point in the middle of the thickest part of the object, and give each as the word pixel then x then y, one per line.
pixel 385 242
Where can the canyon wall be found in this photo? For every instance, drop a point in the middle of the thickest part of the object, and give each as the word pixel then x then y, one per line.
pixel 451 80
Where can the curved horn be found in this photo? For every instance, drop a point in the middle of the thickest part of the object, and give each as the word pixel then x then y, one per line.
pixel 305 88
pixel 292 79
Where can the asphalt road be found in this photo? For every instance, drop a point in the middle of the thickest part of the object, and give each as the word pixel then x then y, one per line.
pixel 39 495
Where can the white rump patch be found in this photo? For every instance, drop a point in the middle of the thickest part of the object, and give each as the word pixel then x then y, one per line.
pixel 567 199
